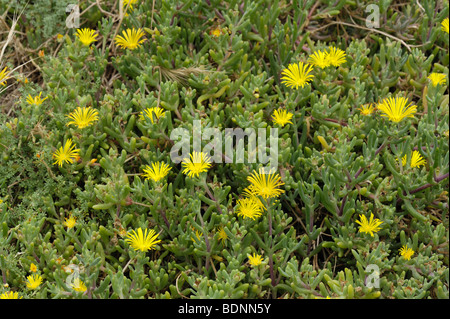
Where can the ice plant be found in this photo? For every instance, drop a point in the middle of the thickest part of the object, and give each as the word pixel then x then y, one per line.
pixel 406 252
pixel 282 117
pixel 367 109
pixel 86 36
pixel 157 171
pixel 249 207
pixel 297 74
pixel 131 39
pixel 319 59
pixel 142 240
pixel 369 226
pixel 416 160
pixel 10 295
pixel 265 185
pixel 4 76
pixel 254 260
pixel 78 285
pixel 70 222
pixel 149 112
pixel 37 100
pixel 198 163
pixel 437 78
pixel 396 109
pixel 336 56
pixel 216 32
pixel 66 154
pixel 445 25
pixel 83 117
pixel 34 281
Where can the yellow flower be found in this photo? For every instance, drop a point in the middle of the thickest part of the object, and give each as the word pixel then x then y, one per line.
pixel 297 75
pixel 198 163
pixel 445 25
pixel 148 113
pixel 416 160
pixel 83 117
pixel 142 241
pixel 198 235
pixel 282 117
pixel 4 76
pixel 396 109
pixel 406 252
pixel 249 207
pixel 34 281
pixel 131 39
pixel 222 234
pixel 131 2
pixel 216 32
pixel 86 36
pixel 10 295
pixel 254 260
pixel 70 222
pixel 67 154
pixel 367 109
pixel 78 285
pixel 33 268
pixel 371 226
pixel 35 100
pixel 437 78
pixel 319 59
pixel 265 185
pixel 336 56
pixel 157 172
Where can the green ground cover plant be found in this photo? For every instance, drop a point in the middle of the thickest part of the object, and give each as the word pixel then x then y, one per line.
pixel 350 101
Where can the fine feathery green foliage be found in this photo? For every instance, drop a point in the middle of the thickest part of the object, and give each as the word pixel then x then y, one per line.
pixel 93 203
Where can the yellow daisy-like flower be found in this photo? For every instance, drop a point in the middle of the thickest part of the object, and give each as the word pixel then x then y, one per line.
pixel 33 268
pixel 86 36
pixel 70 222
pixel 336 56
pixel 371 226
pixel 396 109
pixel 149 112
pixel 416 160
pixel 249 207
pixel 10 295
pixel 319 59
pixel 445 25
pixel 157 172
pixel 78 285
pixel 83 117
pixel 4 76
pixel 198 235
pixel 367 109
pixel 254 260
pixel 142 241
pixel 67 154
pixel 222 234
pixel 216 32
pixel 265 185
pixel 406 252
pixel 36 100
pixel 34 281
pixel 198 163
pixel 437 78
pixel 131 39
pixel 131 2
pixel 297 74
pixel 282 117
